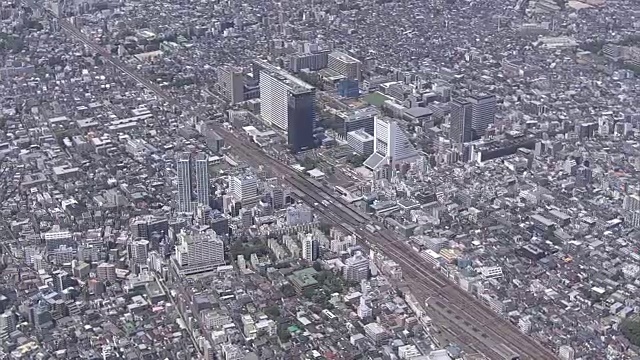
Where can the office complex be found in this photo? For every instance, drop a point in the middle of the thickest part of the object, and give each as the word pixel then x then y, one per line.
pixel 348 88
pixel 345 65
pixel 231 83
pixel 288 103
pixel 244 186
pixel 185 188
pixel 358 119
pixel 148 227
pixel 483 113
pixel 391 145
pixel 198 252
pixel 460 121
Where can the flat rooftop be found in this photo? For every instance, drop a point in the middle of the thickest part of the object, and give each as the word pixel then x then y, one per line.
pixel 361 135
pixel 293 82
pixel 344 57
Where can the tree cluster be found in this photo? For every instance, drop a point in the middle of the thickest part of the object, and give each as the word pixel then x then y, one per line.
pixel 631 330
pixel 356 160
pixel 308 163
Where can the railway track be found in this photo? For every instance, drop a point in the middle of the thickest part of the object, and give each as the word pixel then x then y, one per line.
pixel 484 324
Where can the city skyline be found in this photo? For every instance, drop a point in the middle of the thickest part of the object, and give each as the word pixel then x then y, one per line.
pixel 320 180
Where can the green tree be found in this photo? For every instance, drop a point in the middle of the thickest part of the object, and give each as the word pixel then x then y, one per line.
pixel 308 163
pixel 33 24
pixel 322 277
pixel 287 290
pixel 325 228
pixel 272 311
pixel 356 160
pixel 317 266
pixel 283 333
pixel 631 330
pixel 308 293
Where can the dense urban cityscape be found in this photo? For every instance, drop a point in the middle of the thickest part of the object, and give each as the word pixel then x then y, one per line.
pixel 320 179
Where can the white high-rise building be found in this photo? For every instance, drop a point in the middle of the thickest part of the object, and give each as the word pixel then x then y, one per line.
pixel 139 251
pixel 231 83
pixel 244 186
pixel 198 252
pixel 364 311
pixel 276 86
pixel 356 267
pixel 391 145
pixel 310 248
pixel 183 168
pixel 202 179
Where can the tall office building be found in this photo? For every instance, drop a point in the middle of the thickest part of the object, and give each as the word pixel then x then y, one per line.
pixel 483 113
pixel 301 119
pixel 345 65
pixel 184 183
pixel 391 145
pixel 310 248
pixel 198 252
pixel 231 83
pixel 202 179
pixel 148 226
pixel 244 186
pixel 460 121
pixel 287 103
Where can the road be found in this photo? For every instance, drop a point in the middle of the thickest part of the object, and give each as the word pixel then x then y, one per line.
pixel 189 331
pixel 472 321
